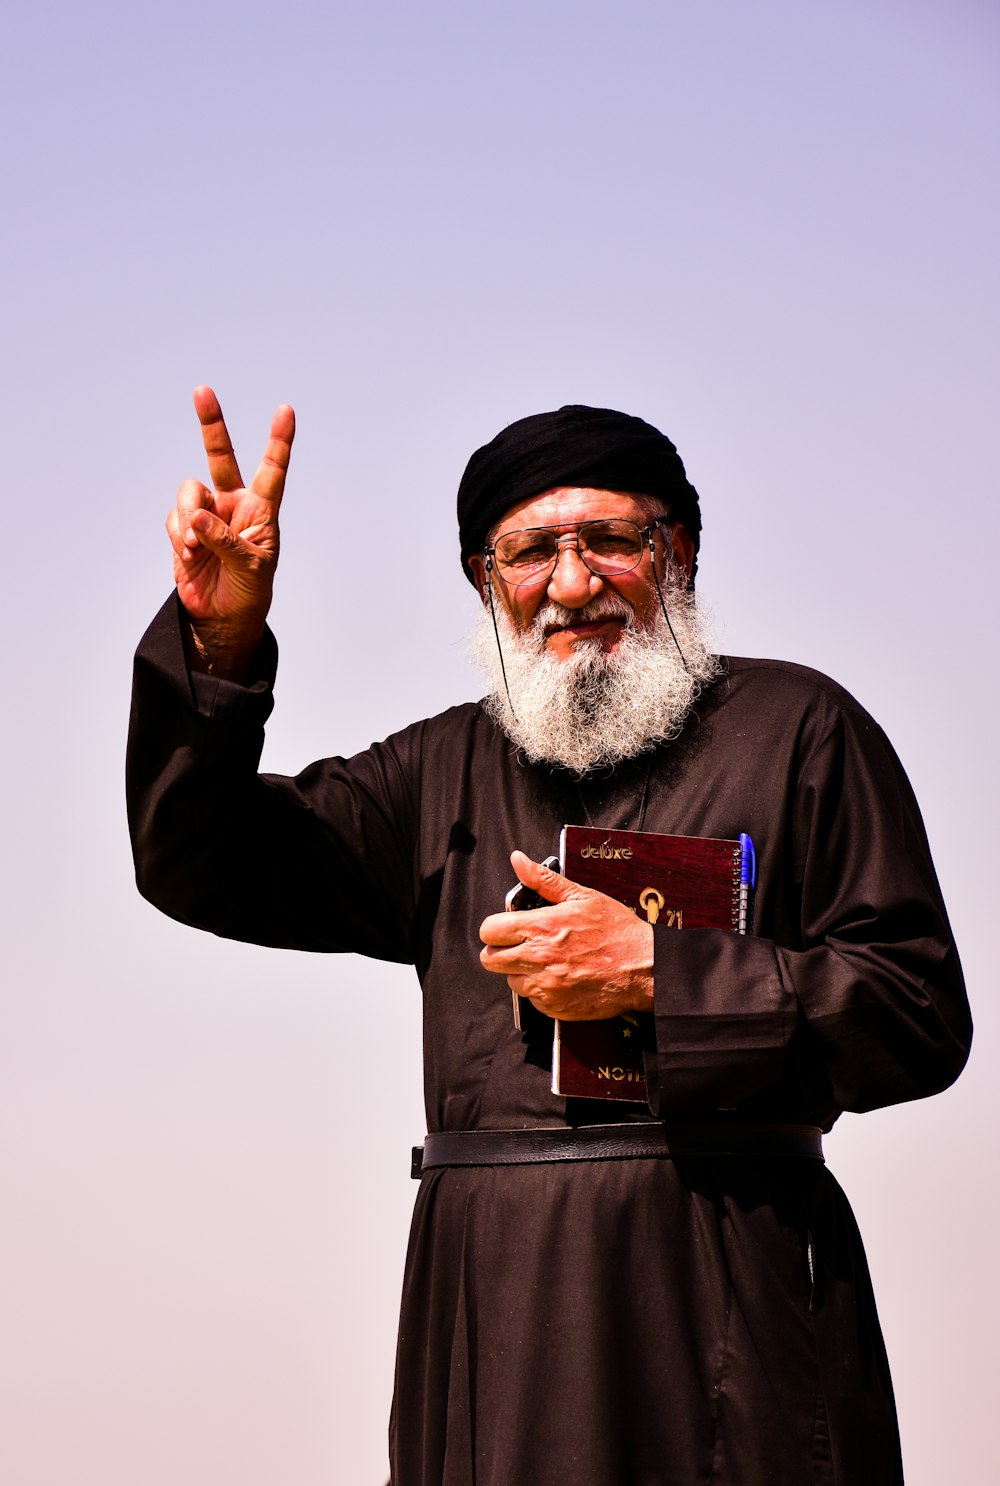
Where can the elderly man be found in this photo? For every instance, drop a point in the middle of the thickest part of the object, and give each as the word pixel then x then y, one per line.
pixel 608 1294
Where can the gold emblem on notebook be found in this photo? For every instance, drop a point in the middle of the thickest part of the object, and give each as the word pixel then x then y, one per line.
pixel 652 901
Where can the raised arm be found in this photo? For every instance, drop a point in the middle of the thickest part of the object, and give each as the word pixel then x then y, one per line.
pixel 225 542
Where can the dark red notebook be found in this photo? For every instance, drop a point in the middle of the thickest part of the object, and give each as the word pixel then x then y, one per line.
pixel 681 882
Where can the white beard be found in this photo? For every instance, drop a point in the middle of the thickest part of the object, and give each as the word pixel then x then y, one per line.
pixel 592 709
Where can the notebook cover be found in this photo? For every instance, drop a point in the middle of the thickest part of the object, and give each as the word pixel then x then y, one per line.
pixel 682 882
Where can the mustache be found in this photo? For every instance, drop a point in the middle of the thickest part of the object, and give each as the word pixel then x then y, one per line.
pixel 605 606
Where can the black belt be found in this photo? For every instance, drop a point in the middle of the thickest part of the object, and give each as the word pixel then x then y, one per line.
pixel 612 1143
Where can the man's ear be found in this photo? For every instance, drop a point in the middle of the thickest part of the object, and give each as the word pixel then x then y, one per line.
pixel 684 548
pixel 480 574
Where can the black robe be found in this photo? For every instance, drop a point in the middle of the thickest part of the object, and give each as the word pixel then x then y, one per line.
pixel 626 1322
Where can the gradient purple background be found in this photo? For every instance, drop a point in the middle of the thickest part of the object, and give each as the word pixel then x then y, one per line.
pixel 770 228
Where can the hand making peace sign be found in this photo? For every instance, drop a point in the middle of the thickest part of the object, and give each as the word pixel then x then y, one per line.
pixel 225 540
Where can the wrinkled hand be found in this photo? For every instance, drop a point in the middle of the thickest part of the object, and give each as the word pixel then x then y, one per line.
pixel 584 958
pixel 225 540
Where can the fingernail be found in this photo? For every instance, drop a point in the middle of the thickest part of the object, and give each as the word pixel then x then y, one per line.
pixel 190 536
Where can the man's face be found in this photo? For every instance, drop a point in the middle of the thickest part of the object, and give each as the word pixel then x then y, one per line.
pixel 572 585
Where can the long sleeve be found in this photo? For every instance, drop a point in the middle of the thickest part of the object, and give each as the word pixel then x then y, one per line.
pixel 853 992
pixel 322 861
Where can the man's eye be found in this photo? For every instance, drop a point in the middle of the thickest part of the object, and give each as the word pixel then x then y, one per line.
pixel 605 543
pixel 531 555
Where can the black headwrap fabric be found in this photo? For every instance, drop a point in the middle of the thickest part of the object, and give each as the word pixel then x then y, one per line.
pixel 594 448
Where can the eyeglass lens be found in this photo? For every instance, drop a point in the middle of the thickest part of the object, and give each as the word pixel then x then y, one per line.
pixel 607 547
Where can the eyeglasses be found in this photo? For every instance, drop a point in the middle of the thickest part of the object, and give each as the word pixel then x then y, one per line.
pixel 608 548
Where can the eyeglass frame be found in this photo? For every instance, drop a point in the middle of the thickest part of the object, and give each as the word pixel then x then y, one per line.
pixel 646 534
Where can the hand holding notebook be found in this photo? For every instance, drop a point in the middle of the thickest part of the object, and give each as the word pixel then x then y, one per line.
pixel 675 881
pixel 583 955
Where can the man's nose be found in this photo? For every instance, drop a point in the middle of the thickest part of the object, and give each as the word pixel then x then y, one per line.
pixel 572 584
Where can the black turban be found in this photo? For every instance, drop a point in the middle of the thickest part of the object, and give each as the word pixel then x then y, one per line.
pixel 594 448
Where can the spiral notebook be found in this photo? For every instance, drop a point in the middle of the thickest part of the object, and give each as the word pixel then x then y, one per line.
pixel 677 882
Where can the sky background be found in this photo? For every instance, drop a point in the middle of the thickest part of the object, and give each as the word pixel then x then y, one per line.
pixel 771 229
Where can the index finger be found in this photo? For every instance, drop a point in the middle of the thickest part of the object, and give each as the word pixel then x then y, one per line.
pixel 269 481
pixel 505 930
pixel 222 466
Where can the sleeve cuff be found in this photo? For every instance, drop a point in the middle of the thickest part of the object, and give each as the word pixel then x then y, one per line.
pixel 723 1020
pixel 161 650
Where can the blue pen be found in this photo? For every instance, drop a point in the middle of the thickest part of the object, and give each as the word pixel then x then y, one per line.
pixel 748 877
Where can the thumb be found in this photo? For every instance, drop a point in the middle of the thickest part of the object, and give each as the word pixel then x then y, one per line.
pixel 552 886
pixel 213 533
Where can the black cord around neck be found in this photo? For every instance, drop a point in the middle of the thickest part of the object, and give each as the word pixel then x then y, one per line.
pixel 496 631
